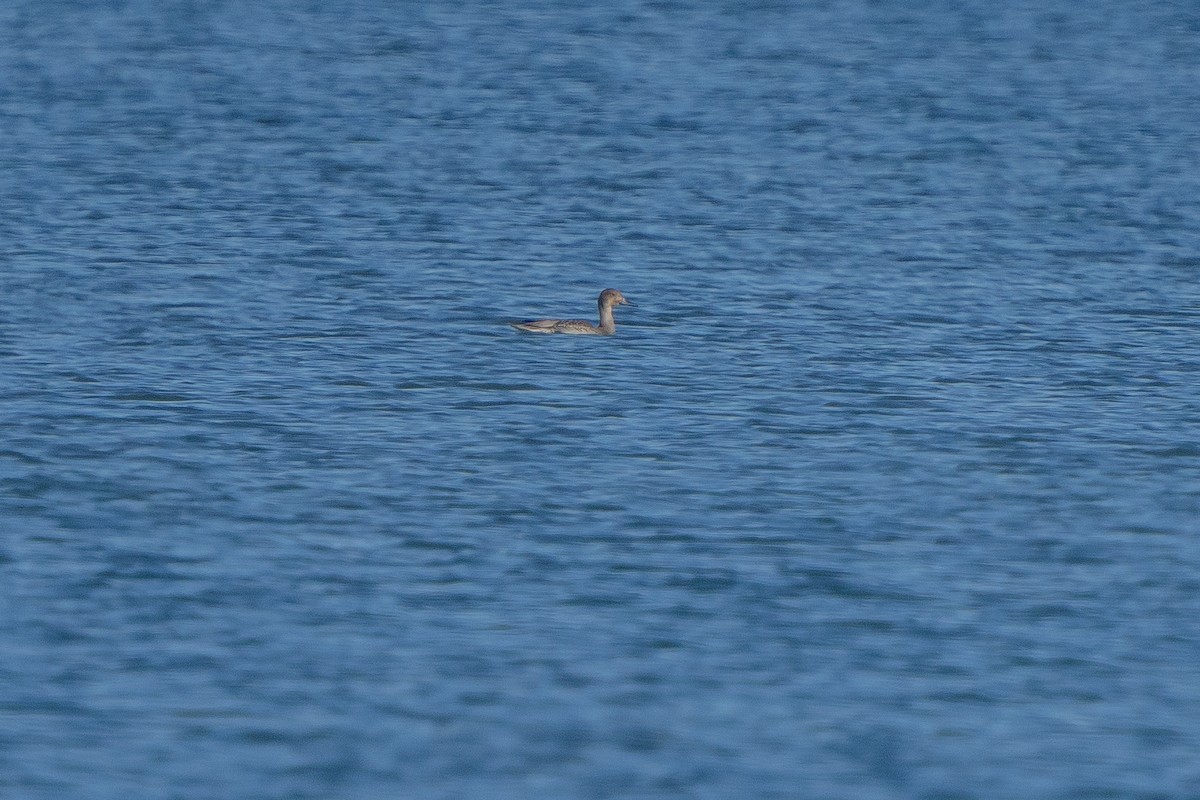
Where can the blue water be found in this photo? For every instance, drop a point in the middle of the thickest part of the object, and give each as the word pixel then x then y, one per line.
pixel 889 487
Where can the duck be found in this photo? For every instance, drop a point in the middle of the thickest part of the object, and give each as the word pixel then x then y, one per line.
pixel 607 327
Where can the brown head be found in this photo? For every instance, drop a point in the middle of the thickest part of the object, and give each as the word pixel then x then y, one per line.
pixel 611 297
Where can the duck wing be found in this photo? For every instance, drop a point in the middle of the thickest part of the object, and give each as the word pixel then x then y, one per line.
pixel 575 326
pixel 555 326
pixel 536 325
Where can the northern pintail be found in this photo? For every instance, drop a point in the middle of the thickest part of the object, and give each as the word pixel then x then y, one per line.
pixel 607 326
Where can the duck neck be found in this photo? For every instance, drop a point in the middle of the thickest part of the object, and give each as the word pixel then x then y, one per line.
pixel 607 323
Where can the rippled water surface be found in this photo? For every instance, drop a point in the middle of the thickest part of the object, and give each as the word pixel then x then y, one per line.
pixel 888 487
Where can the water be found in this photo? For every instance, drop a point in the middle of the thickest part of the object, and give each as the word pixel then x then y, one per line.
pixel 888 488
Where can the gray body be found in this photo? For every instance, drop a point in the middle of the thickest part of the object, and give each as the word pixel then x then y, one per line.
pixel 607 327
